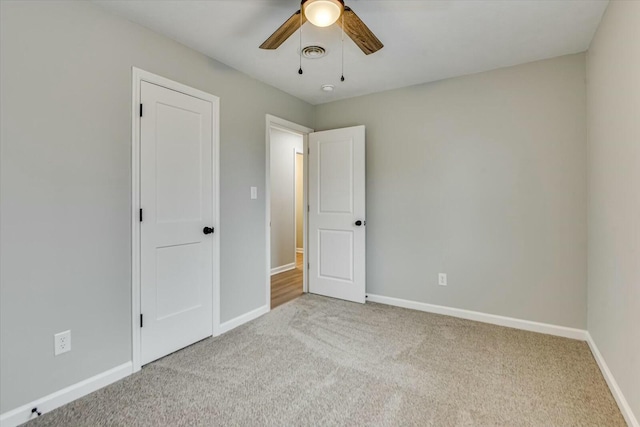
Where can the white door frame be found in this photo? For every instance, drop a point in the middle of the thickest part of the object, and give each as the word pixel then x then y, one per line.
pixel 138 76
pixel 287 126
pixel 295 201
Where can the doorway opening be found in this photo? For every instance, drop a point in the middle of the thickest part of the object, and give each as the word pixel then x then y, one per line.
pixel 286 213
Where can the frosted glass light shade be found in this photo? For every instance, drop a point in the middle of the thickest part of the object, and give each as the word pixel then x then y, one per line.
pixel 322 13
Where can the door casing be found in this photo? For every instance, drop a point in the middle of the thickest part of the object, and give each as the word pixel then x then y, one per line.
pixel 287 126
pixel 139 76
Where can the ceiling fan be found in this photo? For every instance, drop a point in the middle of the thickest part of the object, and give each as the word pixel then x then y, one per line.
pixel 323 13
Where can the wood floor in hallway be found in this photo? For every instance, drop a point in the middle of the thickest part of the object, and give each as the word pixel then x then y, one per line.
pixel 287 285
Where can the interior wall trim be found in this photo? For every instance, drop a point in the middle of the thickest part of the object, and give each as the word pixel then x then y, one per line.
pixel 283 268
pixel 68 394
pixel 242 319
pixel 273 122
pixel 627 413
pixel 527 325
pixel 510 322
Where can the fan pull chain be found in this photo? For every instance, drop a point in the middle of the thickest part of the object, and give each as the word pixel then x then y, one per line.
pixel 300 52
pixel 342 76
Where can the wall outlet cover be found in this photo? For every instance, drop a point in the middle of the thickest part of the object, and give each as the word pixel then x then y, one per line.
pixel 62 342
pixel 442 279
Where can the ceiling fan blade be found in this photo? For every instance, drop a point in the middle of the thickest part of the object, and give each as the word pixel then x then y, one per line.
pixel 359 32
pixel 284 32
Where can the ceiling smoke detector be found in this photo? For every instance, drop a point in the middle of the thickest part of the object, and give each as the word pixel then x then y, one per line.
pixel 313 52
pixel 327 88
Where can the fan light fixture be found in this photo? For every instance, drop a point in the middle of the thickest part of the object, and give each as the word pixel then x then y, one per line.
pixel 322 13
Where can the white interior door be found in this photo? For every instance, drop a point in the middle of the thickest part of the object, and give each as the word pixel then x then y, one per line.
pixel 337 213
pixel 176 197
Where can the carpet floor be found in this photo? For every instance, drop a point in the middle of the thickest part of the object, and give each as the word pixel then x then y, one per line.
pixel 319 361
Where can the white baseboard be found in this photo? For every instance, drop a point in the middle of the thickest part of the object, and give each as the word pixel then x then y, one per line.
pixel 299 250
pixel 283 268
pixel 240 320
pixel 48 403
pixel 527 325
pixel 59 398
pixel 627 413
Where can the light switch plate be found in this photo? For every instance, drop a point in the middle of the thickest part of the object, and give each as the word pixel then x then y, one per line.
pixel 254 193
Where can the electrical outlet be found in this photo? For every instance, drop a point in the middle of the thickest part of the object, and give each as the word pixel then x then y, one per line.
pixel 62 342
pixel 442 279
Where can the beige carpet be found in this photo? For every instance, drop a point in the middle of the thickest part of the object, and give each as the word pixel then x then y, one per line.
pixel 319 361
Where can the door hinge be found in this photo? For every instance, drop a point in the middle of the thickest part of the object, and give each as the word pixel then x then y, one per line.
pixel 308 266
pixel 308 150
pixel 308 208
pixel 140 110
pixel 141 321
pixel 140 215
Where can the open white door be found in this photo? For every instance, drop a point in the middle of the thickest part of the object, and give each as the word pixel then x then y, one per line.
pixel 337 214
pixel 176 197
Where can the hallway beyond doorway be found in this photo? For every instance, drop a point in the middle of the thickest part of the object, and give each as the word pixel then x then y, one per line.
pixel 287 286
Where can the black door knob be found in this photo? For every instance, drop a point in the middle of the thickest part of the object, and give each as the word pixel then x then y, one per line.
pixel 207 230
pixel 358 223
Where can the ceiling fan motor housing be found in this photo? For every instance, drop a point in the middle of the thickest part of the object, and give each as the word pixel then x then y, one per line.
pixel 351 24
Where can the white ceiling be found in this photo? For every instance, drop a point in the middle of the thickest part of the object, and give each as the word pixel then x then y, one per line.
pixel 424 40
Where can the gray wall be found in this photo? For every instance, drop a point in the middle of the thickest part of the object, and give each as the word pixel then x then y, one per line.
pixel 65 185
pixel 283 221
pixel 482 177
pixel 613 75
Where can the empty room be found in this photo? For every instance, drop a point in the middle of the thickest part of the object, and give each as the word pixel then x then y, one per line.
pixel 320 212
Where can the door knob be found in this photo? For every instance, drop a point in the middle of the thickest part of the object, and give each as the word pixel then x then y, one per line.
pixel 358 223
pixel 207 230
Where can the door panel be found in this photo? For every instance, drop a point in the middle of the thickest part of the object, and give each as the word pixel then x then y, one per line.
pixel 335 176
pixel 176 195
pixel 178 264
pixel 178 164
pixel 336 254
pixel 336 202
